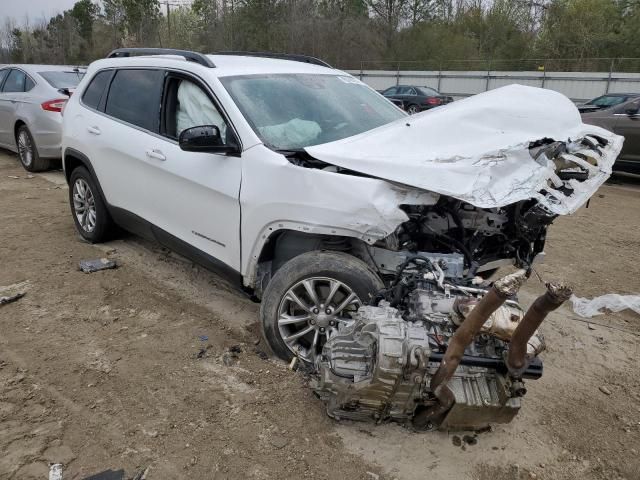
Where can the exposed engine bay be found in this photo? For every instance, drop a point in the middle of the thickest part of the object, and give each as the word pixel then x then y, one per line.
pixel 433 352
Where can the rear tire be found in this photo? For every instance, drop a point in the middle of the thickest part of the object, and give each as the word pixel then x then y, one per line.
pixel 88 208
pixel 318 272
pixel 412 109
pixel 28 151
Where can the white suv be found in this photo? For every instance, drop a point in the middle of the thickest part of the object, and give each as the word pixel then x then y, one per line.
pixel 308 188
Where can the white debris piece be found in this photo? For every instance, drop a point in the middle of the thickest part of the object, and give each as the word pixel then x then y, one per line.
pixel 55 471
pixel 614 302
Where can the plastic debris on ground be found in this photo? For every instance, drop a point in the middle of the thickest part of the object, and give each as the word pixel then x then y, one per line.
pixel 613 302
pixel 14 292
pixel 55 471
pixel 95 265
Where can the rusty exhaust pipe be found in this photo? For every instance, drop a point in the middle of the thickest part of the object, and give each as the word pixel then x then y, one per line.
pixel 556 295
pixel 463 336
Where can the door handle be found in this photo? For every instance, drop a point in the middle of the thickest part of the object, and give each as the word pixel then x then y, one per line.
pixel 94 130
pixel 157 154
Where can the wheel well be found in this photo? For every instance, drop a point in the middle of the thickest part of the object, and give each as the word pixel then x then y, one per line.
pixel 284 245
pixel 18 124
pixel 71 162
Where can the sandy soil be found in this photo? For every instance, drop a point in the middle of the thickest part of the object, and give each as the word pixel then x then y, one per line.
pixel 126 369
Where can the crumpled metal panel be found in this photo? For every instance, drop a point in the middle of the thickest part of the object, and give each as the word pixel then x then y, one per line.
pixel 477 150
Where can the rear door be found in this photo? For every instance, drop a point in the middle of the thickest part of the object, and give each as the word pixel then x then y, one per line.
pixel 15 97
pixel 10 81
pixel 628 125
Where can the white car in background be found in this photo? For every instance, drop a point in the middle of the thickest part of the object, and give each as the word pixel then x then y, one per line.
pixel 31 101
pixel 310 189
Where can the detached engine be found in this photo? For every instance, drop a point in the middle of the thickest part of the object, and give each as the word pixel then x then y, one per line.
pixel 436 352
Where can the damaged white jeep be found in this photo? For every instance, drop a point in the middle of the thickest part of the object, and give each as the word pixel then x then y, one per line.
pixel 366 234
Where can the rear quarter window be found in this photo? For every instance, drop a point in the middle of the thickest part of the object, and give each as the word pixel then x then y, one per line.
pixel 135 97
pixel 94 92
pixel 3 75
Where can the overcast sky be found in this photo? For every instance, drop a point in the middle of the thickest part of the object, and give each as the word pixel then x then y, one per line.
pixel 35 9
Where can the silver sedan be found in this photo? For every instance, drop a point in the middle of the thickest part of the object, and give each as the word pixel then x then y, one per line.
pixel 31 101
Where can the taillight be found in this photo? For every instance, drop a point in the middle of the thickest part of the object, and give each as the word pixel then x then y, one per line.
pixel 433 101
pixel 54 105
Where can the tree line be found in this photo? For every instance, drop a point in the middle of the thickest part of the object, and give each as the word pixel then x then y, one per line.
pixel 406 34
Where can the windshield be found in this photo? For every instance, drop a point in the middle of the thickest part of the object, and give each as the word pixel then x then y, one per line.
pixel 62 79
pixel 607 101
pixel 428 91
pixel 294 111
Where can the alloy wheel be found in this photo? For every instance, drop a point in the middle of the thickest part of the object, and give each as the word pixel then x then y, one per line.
pixel 311 311
pixel 25 148
pixel 84 205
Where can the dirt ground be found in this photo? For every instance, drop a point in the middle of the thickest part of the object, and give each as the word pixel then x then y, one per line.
pixel 126 369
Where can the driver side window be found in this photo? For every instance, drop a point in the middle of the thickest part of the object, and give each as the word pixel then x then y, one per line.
pixel 188 105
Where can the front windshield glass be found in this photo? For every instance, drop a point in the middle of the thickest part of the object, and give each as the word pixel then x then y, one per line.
pixel 62 79
pixel 607 101
pixel 294 111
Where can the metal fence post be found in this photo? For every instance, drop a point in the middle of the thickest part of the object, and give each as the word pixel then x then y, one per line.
pixel 610 73
pixel 486 87
pixel 398 75
pixel 439 75
pixel 361 71
pixel 544 76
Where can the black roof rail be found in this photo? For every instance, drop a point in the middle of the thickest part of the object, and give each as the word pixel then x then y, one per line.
pixel 281 56
pixel 187 54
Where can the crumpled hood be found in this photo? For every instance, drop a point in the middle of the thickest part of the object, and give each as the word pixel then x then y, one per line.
pixel 477 150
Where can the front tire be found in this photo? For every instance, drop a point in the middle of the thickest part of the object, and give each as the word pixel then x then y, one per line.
pixel 88 208
pixel 309 297
pixel 28 151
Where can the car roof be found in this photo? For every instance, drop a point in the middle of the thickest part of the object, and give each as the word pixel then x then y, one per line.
pixel 225 65
pixel 29 67
pixel 620 95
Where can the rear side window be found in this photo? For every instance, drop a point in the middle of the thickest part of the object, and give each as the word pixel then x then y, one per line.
pixel 14 82
pixel 94 92
pixel 62 79
pixel 28 84
pixel 3 75
pixel 134 97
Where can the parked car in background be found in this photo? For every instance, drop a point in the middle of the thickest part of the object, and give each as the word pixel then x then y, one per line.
pixel 416 99
pixel 31 101
pixel 623 119
pixel 606 101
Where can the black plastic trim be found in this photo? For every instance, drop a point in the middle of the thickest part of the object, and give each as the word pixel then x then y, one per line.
pixel 141 227
pixel 195 57
pixel 294 57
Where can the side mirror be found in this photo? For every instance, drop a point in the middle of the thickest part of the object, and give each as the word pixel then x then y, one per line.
pixel 205 138
pixel 631 111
